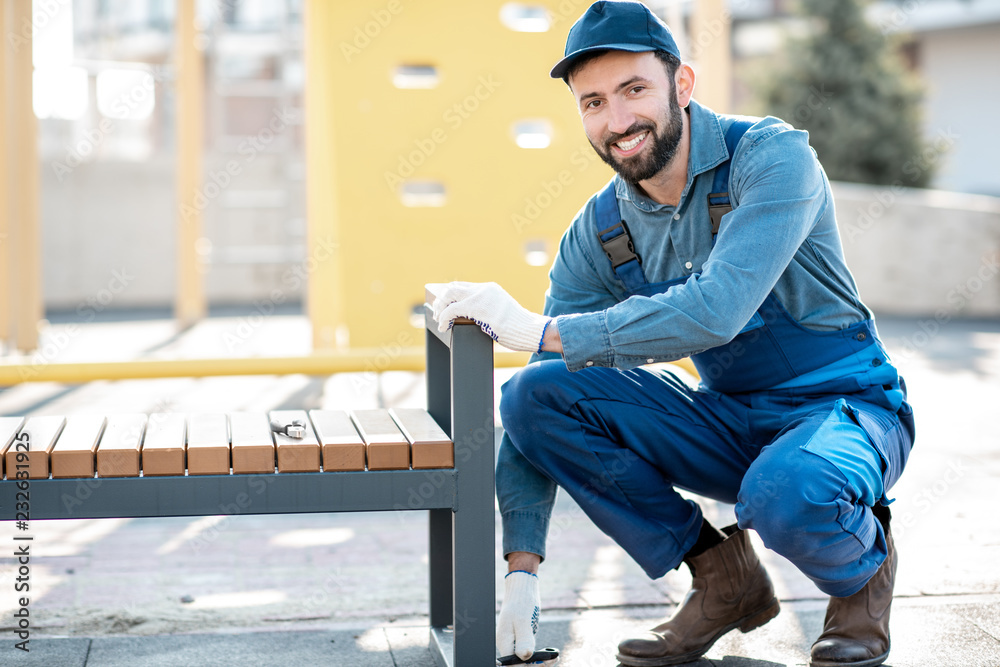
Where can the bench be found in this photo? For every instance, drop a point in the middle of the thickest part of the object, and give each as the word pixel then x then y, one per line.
pixel 439 460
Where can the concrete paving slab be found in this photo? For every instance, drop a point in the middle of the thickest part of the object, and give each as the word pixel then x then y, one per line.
pixel 409 646
pixel 263 649
pixel 986 617
pixel 46 653
pixel 923 633
pixel 926 632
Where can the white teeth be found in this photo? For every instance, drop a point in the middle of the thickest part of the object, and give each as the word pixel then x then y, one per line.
pixel 629 145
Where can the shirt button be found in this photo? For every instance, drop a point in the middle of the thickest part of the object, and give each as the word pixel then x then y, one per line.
pixel 649 361
pixel 590 363
pixel 677 216
pixel 688 265
pixel 861 336
pixel 876 362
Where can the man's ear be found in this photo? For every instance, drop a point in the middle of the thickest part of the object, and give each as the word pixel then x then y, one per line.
pixel 684 84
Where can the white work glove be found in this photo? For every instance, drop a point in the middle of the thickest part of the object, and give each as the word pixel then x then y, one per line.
pixel 518 622
pixel 495 311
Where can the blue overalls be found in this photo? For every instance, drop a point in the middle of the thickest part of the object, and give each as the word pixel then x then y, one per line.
pixel 803 430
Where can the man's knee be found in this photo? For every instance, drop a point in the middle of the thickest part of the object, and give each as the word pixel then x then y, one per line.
pixel 789 505
pixel 804 508
pixel 531 392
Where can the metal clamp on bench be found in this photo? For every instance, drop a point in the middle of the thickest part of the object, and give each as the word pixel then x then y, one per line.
pixel 295 430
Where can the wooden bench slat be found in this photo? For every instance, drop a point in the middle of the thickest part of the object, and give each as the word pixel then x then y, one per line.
pixel 343 448
pixel 9 427
pixel 208 444
pixel 296 454
pixel 42 434
pixel 118 451
pixel 75 450
pixel 387 447
pixel 253 446
pixel 430 446
pixel 164 449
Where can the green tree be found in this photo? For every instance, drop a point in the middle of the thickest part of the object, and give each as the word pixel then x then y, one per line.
pixel 845 84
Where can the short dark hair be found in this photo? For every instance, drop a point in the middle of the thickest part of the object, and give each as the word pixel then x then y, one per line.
pixel 669 60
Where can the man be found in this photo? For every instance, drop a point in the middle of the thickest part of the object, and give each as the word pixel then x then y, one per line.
pixel 717 240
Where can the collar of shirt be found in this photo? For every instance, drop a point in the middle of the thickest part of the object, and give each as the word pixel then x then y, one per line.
pixel 708 150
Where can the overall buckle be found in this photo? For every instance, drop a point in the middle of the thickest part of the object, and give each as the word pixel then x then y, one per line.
pixel 619 249
pixel 718 209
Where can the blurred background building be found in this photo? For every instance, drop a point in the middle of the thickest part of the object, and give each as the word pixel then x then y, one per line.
pixel 105 96
pixel 953 46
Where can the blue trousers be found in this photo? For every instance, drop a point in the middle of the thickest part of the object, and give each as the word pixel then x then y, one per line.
pixel 803 469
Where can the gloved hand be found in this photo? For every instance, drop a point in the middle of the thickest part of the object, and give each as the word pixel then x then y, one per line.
pixel 495 311
pixel 518 621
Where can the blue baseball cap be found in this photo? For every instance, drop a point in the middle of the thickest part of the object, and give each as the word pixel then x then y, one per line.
pixel 620 26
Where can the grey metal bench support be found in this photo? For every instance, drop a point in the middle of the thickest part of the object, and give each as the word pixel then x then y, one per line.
pixel 459 501
pixel 462 552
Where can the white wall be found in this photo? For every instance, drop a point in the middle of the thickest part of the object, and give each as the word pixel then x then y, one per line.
pixel 109 223
pixel 108 220
pixel 961 67
pixel 922 252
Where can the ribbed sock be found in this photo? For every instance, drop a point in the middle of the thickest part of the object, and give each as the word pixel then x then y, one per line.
pixel 709 537
pixel 883 515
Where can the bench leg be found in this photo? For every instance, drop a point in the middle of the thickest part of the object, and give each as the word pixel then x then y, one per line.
pixel 474 532
pixel 462 542
pixel 440 542
pixel 475 593
pixel 440 548
pixel 439 382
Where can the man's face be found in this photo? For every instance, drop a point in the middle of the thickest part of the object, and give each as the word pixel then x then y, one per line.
pixel 630 113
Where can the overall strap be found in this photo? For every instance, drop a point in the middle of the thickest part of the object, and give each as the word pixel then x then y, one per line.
pixel 615 240
pixel 718 201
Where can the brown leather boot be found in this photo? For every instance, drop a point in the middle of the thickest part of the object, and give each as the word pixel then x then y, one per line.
pixel 856 630
pixel 730 590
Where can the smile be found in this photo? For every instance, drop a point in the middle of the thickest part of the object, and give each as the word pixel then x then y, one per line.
pixel 631 144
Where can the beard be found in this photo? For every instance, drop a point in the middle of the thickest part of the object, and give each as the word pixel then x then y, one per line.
pixel 661 150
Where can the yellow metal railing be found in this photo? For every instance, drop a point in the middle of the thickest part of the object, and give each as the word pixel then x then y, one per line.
pixel 355 361
pixel 20 241
pixel 190 304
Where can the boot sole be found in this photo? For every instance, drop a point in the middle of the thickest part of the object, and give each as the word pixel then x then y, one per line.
pixel 745 624
pixel 871 662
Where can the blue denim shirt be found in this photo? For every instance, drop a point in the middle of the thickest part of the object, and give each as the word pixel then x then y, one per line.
pixel 781 235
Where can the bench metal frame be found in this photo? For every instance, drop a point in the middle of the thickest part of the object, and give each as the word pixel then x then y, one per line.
pixel 459 501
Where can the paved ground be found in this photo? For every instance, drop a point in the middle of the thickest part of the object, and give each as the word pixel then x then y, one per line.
pixel 349 589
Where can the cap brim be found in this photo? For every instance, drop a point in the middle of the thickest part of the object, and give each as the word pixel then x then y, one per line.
pixel 559 71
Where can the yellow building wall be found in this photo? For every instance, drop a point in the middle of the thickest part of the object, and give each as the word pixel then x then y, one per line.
pixel 500 198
